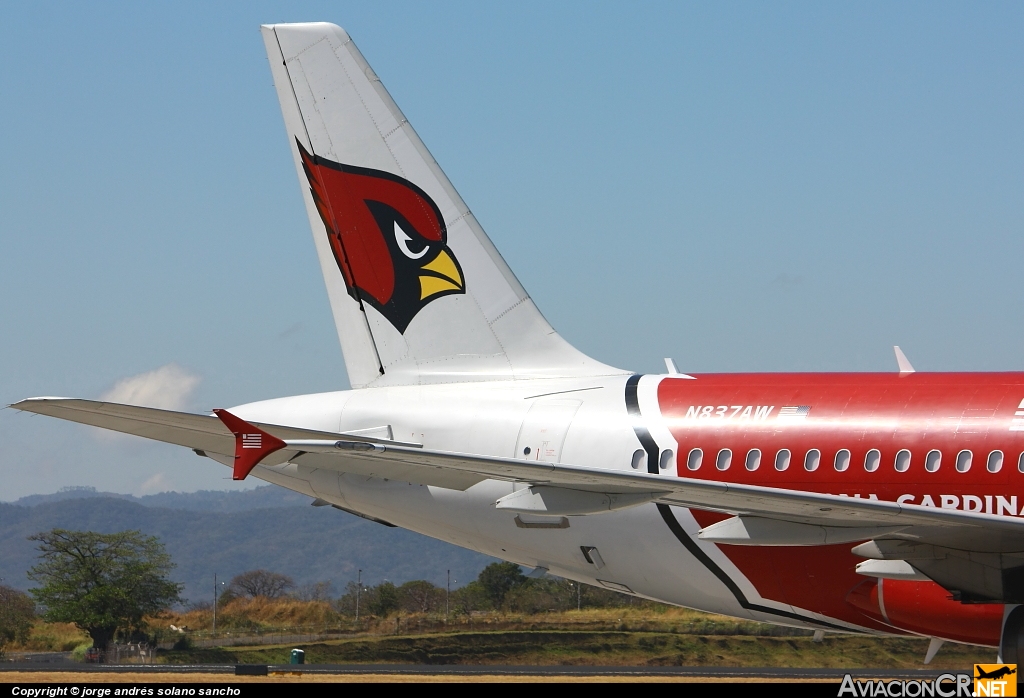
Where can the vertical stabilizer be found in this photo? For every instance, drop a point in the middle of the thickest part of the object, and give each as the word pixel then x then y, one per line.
pixel 418 291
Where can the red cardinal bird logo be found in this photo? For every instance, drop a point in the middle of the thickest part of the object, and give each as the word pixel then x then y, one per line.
pixel 387 235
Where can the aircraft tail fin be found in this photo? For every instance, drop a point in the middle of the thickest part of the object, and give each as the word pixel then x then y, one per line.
pixel 418 291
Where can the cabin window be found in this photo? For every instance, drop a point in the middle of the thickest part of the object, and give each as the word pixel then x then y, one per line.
pixel 694 459
pixel 811 460
pixel 753 459
pixel 1020 463
pixel 638 458
pixel 933 460
pixel 782 459
pixel 842 460
pixel 871 460
pixel 668 459
pixel 724 459
pixel 963 461
pixel 995 461
pixel 902 460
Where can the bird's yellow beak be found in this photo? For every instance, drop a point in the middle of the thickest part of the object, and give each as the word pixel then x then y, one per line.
pixel 440 275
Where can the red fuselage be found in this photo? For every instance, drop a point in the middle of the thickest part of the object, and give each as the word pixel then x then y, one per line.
pixel 952 440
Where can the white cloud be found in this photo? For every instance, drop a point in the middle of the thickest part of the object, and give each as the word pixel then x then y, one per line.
pixel 157 483
pixel 168 387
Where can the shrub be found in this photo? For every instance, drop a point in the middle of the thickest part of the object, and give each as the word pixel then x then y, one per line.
pixel 17 611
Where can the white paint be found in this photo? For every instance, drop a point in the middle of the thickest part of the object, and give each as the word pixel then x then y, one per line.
pixel 903 362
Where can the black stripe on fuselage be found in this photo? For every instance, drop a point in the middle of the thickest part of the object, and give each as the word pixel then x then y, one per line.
pixel 651 447
pixel 694 549
pixel 646 440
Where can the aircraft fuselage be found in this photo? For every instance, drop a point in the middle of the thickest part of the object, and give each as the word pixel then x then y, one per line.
pixel 942 440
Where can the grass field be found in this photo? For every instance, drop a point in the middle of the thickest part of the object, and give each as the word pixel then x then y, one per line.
pixel 624 636
pixel 605 648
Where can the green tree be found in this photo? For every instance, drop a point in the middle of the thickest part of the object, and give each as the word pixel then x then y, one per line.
pixel 383 599
pixel 16 615
pixel 104 583
pixel 420 596
pixel 499 578
pixel 469 598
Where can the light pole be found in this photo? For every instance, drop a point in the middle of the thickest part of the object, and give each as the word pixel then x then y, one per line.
pixel 359 588
pixel 215 603
pixel 447 594
pixel 215 587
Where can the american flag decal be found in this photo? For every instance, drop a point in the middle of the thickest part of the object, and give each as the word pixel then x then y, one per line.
pixel 796 412
pixel 252 441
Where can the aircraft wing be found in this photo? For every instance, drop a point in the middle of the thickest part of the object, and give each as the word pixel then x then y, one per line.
pixel 771 516
pixel 760 515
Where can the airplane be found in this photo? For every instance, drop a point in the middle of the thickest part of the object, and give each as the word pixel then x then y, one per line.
pixel 995 674
pixel 879 503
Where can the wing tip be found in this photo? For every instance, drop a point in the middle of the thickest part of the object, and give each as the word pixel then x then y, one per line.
pixel 22 404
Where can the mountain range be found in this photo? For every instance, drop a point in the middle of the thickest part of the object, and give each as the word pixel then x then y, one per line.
pixel 209 532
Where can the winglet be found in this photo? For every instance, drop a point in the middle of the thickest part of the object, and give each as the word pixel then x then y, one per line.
pixel 903 362
pixel 252 444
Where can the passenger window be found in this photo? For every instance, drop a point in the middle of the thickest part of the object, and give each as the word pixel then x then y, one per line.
pixel 668 459
pixel 724 459
pixel 902 461
pixel 638 458
pixel 842 461
pixel 995 461
pixel 753 459
pixel 933 460
pixel 693 461
pixel 963 461
pixel 1020 463
pixel 782 459
pixel 811 460
pixel 872 459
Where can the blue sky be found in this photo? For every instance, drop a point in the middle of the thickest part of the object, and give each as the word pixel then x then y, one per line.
pixel 743 187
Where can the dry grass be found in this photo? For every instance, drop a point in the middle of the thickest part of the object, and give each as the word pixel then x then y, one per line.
pixel 602 648
pixel 269 616
pixel 252 614
pixel 51 637
pixel 624 636
pixel 625 618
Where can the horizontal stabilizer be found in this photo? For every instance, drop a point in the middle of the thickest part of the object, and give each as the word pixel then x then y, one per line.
pixel 196 431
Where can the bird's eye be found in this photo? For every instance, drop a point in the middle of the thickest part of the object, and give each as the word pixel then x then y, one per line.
pixel 403 241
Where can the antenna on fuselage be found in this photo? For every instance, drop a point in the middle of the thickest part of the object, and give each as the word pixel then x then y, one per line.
pixel 903 362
